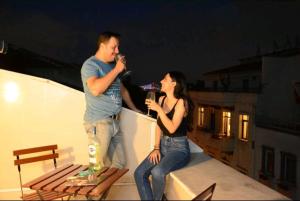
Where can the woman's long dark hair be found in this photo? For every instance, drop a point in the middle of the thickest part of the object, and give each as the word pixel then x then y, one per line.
pixel 180 91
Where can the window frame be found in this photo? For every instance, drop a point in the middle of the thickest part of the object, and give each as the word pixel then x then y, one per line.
pixel 226 120
pixel 265 161
pixel 200 116
pixel 284 179
pixel 242 136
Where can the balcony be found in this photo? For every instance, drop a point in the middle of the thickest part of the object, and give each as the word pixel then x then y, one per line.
pixel 37 111
pixel 255 90
pixel 278 124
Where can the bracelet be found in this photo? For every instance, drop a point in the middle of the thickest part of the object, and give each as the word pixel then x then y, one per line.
pixel 155 150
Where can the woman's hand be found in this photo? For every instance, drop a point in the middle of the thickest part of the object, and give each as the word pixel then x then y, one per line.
pixel 152 105
pixel 154 156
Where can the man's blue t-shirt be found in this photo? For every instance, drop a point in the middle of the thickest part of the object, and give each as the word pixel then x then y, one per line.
pixel 103 105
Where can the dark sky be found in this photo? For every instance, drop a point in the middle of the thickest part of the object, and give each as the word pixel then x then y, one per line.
pixel 157 36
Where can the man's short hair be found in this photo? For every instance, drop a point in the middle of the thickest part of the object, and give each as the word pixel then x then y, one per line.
pixel 105 36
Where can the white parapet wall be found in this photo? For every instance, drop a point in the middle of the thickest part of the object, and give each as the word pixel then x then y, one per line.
pixel 202 171
pixel 37 112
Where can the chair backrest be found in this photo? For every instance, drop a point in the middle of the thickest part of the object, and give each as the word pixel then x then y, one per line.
pixel 207 193
pixel 36 154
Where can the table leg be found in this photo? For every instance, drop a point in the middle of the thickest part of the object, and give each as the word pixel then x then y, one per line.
pixel 39 194
pixel 101 197
pixel 42 198
pixel 104 195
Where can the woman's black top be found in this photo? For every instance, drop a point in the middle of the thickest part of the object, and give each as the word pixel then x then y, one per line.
pixel 182 128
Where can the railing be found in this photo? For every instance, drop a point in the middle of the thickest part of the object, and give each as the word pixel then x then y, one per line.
pixel 278 124
pixel 230 90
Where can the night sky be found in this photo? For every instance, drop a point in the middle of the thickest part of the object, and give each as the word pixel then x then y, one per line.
pixel 157 36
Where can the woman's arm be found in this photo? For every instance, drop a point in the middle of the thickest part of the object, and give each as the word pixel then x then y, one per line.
pixel 157 137
pixel 155 156
pixel 170 124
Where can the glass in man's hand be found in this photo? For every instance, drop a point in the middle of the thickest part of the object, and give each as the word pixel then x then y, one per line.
pixel 150 96
pixel 125 73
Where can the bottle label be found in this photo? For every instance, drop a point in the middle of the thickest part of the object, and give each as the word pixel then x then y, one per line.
pixel 92 149
pixel 93 160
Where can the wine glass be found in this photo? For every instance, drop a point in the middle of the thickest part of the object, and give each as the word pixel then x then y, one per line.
pixel 150 96
pixel 125 72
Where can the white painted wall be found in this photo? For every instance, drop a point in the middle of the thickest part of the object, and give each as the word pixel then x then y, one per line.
pixel 280 141
pixel 37 112
pixel 276 104
pixel 277 98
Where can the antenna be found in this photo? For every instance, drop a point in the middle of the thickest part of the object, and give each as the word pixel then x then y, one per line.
pixel 3 47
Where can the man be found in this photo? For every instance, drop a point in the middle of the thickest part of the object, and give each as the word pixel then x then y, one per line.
pixel 103 93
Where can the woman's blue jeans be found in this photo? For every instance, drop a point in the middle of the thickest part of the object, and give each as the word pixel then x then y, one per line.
pixel 175 154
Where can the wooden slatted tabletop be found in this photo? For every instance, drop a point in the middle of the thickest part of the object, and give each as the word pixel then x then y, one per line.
pixel 55 180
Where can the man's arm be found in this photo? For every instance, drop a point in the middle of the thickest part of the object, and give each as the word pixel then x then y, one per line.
pixel 126 97
pixel 97 85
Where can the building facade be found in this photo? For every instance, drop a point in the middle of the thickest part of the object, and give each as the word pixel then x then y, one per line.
pixel 248 117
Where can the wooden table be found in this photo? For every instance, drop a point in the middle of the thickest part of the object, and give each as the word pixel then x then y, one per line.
pixel 55 181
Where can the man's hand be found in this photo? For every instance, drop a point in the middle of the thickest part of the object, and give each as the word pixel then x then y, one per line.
pixel 120 65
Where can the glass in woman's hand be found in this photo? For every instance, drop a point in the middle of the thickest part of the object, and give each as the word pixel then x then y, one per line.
pixel 150 96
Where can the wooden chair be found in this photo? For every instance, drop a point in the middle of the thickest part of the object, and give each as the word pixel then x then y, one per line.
pixel 40 155
pixel 207 193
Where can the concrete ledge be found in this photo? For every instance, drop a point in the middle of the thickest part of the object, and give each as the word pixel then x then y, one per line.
pixel 202 171
pixel 194 148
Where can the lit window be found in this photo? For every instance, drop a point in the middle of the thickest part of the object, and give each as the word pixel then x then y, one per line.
pixel 212 119
pixel 200 116
pixel 244 124
pixel 226 123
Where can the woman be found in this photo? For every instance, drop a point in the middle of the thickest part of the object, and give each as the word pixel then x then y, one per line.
pixel 171 150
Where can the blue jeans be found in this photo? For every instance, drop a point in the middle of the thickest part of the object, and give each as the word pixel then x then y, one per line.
pixel 110 137
pixel 175 154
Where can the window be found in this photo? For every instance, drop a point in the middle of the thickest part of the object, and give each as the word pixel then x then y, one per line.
pixel 212 120
pixel 288 168
pixel 267 162
pixel 244 124
pixel 200 116
pixel 226 123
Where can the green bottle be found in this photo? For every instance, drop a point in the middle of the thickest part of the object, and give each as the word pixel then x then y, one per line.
pixel 94 152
